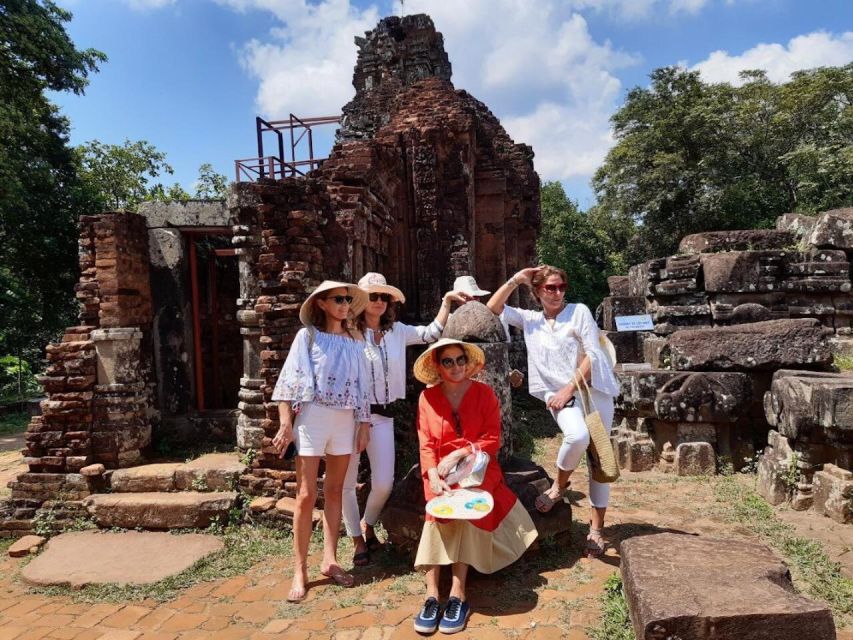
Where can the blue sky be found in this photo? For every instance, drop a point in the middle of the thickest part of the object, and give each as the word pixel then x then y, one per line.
pixel 190 76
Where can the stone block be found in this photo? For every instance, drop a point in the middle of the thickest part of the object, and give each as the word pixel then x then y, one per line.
pixel 833 493
pixel 773 469
pixel 812 407
pixel 149 477
pixel 182 510
pixel 618 285
pixel 695 459
pixel 628 345
pixel 213 471
pixel 743 271
pixel 703 397
pixel 25 546
pixel 798 224
pixel 736 240
pixel 757 346
pixel 677 396
pixel 614 306
pixel 833 229
pixel 682 586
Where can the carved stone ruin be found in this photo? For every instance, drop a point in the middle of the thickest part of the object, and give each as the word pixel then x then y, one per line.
pixel 745 327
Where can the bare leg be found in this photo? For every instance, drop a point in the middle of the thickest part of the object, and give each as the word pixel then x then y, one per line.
pixel 333 483
pixel 432 575
pixel 306 497
pixel 460 573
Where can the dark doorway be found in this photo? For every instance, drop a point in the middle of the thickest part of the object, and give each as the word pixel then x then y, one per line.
pixel 218 348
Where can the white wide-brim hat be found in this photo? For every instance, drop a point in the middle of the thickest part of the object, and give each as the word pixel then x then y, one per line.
pixel 426 369
pixel 373 282
pixel 359 299
pixel 467 284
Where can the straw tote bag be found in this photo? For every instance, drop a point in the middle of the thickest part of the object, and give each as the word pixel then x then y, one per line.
pixel 602 461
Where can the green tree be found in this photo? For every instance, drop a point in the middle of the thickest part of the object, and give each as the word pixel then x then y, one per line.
pixel 692 156
pixel 570 240
pixel 118 175
pixel 41 195
pixel 211 185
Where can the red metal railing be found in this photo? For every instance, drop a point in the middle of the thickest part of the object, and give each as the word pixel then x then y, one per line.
pixel 278 166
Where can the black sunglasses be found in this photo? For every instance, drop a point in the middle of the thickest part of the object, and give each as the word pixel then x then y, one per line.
pixel 554 288
pixel 460 361
pixel 385 297
pixel 340 299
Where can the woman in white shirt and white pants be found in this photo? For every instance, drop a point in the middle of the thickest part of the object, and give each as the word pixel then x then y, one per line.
pixel 385 347
pixel 562 344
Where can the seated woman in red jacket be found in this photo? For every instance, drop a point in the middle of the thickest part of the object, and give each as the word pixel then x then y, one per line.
pixel 454 415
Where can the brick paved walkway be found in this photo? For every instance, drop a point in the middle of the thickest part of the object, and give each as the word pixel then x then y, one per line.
pixel 253 606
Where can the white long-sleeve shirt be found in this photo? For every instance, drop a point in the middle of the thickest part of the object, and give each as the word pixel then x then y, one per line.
pixel 386 361
pixel 555 352
pixel 331 370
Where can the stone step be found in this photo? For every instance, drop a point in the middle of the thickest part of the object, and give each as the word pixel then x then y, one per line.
pixel 158 510
pixel 210 472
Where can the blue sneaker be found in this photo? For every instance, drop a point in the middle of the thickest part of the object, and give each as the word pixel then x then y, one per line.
pixel 427 619
pixel 455 616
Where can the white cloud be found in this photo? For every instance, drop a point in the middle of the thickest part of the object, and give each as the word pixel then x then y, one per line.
pixel 305 66
pixel 637 10
pixel 537 67
pixel 817 49
pixel 145 5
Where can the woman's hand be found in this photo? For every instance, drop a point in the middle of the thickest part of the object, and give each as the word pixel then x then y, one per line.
pixel 459 297
pixel 449 461
pixel 561 398
pixel 525 276
pixel 362 436
pixel 437 485
pixel 283 438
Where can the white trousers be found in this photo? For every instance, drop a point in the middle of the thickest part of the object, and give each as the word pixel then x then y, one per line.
pixel 380 452
pixel 576 440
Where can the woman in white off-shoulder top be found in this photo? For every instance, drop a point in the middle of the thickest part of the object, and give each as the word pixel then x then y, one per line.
pixel 562 343
pixel 324 409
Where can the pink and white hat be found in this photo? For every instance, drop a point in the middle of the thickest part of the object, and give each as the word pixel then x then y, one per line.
pixel 373 282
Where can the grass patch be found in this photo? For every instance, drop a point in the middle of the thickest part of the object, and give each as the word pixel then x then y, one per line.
pixel 842 363
pixel 615 623
pixel 12 423
pixel 244 548
pixel 812 570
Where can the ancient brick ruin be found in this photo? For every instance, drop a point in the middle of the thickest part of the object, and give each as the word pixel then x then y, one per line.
pixel 188 309
pixel 745 327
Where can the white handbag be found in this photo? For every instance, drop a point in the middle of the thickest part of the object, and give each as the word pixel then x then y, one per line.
pixel 471 470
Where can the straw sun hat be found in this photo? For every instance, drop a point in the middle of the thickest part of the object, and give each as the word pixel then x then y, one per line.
pixel 373 282
pixel 427 369
pixel 359 299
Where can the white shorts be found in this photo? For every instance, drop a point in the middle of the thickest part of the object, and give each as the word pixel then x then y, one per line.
pixel 321 431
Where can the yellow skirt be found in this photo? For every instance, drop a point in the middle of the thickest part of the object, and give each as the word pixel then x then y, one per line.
pixel 486 551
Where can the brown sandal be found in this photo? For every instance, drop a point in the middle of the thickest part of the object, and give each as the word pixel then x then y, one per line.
pixel 544 502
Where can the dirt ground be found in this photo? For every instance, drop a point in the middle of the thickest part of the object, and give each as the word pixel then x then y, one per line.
pixel 551 594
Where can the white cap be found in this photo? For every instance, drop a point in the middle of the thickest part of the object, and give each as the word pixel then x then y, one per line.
pixel 467 284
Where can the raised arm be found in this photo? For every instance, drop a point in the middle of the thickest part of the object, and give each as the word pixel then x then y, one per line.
pixel 498 300
pixel 444 311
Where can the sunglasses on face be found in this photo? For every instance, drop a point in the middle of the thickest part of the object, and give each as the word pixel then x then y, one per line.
pixel 554 288
pixel 385 297
pixel 340 299
pixel 459 361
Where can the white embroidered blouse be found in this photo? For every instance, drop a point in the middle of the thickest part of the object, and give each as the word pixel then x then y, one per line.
pixel 332 372
pixel 555 352
pixel 386 361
